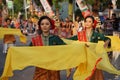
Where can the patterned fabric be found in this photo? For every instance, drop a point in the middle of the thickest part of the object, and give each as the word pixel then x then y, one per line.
pixel 9 38
pixel 43 74
pixel 37 41
pixel 82 36
pixel 97 75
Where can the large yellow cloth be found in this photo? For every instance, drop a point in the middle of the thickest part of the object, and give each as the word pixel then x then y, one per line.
pixel 59 58
pixel 4 31
pixel 115 43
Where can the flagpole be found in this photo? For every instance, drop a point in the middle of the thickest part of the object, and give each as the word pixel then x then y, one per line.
pixel 25 9
pixel 74 1
pixel 13 10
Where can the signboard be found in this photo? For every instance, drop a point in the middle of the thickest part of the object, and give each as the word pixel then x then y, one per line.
pixel 83 7
pixel 28 2
pixel 47 7
pixel 10 4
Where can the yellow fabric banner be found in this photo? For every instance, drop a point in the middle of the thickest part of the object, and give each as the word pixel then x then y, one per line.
pixel 4 31
pixel 115 43
pixel 60 57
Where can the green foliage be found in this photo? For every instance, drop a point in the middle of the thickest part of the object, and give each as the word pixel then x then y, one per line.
pixel 70 1
pixel 1 6
pixel 56 3
pixel 37 2
pixel 18 5
pixel 91 2
pixel 4 2
pixel 118 4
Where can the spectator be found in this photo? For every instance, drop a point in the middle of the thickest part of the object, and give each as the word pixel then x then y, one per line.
pixel 8 23
pixel 115 22
pixel 9 39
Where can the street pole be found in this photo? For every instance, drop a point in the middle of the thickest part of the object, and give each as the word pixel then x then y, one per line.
pixel 13 10
pixel 74 2
pixel 25 9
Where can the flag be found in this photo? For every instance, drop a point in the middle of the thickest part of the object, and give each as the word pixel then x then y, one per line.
pixel 47 7
pixel 83 7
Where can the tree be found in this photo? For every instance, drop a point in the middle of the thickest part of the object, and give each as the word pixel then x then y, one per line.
pixel 118 4
pixel 18 5
pixel 56 3
pixel 4 2
pixel 37 2
pixel 0 6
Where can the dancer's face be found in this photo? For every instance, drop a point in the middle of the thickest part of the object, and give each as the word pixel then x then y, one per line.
pixel 89 23
pixel 45 25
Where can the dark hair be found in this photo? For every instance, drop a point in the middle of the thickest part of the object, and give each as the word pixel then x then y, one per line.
pixel 40 20
pixel 8 19
pixel 90 17
pixel 113 14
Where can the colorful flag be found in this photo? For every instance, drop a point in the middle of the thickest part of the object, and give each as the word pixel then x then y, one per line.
pixel 83 7
pixel 47 7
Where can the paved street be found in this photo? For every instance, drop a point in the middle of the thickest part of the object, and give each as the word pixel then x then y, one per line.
pixel 27 73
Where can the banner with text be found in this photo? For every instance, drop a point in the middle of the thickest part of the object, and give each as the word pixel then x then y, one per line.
pixel 83 7
pixel 47 7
